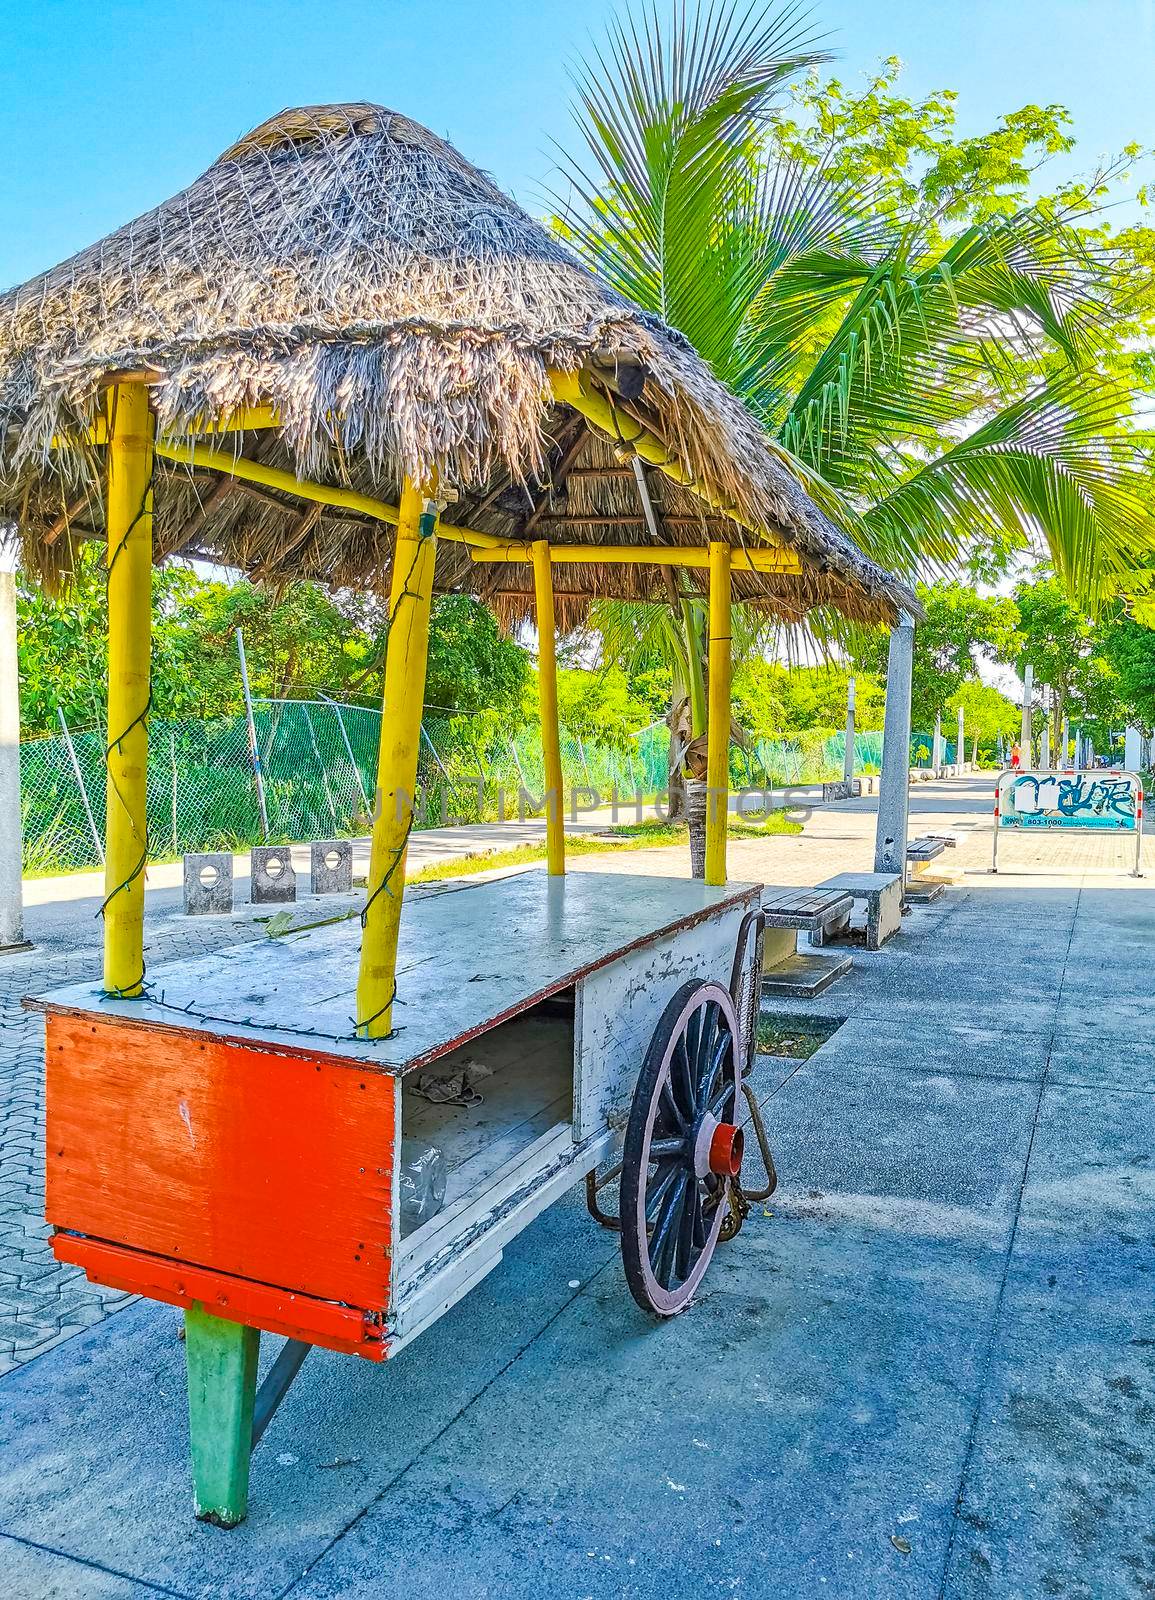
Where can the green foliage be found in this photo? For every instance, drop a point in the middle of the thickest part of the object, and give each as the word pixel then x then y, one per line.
pixel 960 627
pixel 304 639
pixel 1129 649
pixel 600 706
pixel 1064 647
pixel 949 361
pixel 988 715
pixel 771 701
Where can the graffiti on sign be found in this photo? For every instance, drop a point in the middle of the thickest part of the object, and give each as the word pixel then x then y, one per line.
pixel 1101 800
pixel 1069 800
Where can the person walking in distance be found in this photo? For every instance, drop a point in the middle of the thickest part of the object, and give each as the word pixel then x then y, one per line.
pixel 1016 758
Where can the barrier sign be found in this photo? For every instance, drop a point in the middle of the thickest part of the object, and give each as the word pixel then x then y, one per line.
pixel 1111 801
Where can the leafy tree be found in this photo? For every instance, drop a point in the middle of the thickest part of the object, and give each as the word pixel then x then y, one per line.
pixel 1129 648
pixel 988 715
pixel 944 359
pixel 771 700
pixel 1062 644
pixel 473 667
pixel 599 706
pixel 961 626
pixel 300 641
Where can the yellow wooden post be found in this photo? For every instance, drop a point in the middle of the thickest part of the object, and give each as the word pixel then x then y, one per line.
pixel 547 699
pixel 129 523
pixel 718 716
pixel 406 658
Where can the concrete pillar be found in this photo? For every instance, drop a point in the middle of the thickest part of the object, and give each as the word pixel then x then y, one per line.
pixel 894 784
pixel 1064 752
pixel 1028 693
pixel 1045 734
pixel 1132 749
pixel 11 895
pixel 960 749
pixel 936 761
pixel 848 757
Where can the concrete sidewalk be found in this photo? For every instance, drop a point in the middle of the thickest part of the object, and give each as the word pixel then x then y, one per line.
pixel 925 1369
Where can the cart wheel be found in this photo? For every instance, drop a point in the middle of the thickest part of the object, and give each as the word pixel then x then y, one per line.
pixel 682 1144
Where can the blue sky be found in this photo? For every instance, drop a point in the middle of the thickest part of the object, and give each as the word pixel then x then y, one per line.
pixel 107 109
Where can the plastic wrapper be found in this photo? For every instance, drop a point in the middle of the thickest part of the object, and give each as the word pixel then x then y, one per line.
pixel 421 1182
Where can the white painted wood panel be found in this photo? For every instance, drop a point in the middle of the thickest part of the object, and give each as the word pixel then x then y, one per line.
pixel 619 1007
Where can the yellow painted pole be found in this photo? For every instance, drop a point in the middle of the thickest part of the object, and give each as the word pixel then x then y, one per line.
pixel 547 699
pixel 718 716
pixel 406 658
pixel 129 521
pixel 777 560
pixel 235 466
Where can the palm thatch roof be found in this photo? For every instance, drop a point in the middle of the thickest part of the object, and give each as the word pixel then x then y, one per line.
pixel 347 267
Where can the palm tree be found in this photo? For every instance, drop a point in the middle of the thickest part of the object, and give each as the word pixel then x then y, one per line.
pixel 937 393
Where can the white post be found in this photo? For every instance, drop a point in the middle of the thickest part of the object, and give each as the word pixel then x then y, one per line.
pixel 936 762
pixel 1066 748
pixel 254 747
pixel 1132 749
pixel 894 784
pixel 960 749
pixel 848 755
pixel 11 836
pixel 1028 693
pixel 1045 733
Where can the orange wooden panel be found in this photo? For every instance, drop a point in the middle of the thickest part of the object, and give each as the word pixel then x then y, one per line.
pixel 297 1316
pixel 269 1167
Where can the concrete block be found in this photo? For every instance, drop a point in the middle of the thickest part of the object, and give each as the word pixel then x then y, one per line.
pixel 272 879
pixel 842 789
pixel 882 892
pixel 331 866
pixel 208 883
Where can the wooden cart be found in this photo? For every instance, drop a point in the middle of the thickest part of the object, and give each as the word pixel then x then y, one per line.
pixel 231 1146
pixel 337 334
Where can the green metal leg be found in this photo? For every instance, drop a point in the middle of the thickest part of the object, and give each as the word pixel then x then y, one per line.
pixel 222 1384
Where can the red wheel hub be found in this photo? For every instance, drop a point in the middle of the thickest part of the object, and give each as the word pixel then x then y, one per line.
pixel 726 1146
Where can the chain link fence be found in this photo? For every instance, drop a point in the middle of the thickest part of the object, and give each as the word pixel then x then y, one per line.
pixel 319 759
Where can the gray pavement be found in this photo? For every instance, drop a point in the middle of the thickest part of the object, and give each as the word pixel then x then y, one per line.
pixel 926 1368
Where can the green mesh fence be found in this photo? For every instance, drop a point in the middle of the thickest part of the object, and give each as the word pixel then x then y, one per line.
pixel 319 761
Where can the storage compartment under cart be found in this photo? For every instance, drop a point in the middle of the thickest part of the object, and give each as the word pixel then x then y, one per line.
pixel 227 1140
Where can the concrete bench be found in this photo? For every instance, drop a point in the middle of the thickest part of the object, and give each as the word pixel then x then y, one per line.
pixel 919 854
pixel 882 892
pixel 785 969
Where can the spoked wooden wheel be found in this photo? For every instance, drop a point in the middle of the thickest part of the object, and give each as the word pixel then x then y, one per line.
pixel 682 1144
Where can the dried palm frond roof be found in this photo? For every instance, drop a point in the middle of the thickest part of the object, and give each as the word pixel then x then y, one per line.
pixel 348 268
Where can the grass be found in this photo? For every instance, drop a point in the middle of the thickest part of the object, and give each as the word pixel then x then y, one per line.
pixel 629 836
pixel 796 1037
pixel 655 832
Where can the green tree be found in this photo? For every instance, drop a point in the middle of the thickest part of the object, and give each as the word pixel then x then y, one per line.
pixel 1129 648
pixel 988 715
pixel 960 627
pixel 943 358
pixel 771 700
pixel 1063 646
pixel 599 706
pixel 301 641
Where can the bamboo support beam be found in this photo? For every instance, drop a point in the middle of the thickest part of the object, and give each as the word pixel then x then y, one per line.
pixel 248 417
pixel 406 655
pixel 771 561
pixel 547 692
pixel 129 522
pixel 718 716
pixel 241 467
pixel 574 389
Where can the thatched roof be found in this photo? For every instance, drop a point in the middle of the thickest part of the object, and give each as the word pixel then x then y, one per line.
pixel 348 267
